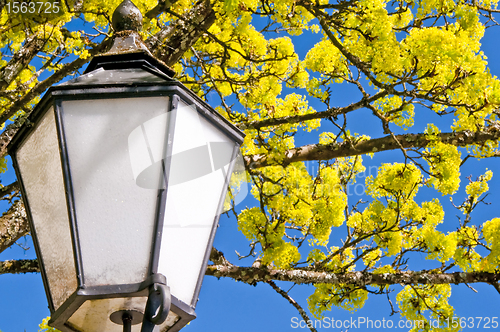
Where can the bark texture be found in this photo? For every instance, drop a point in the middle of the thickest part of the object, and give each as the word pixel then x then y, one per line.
pixel 13 225
pixel 171 43
pixel 252 275
pixel 389 142
pixel 19 266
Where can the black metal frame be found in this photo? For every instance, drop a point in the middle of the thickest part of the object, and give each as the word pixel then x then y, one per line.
pixel 68 186
pixel 53 98
pixel 162 193
pixel 215 224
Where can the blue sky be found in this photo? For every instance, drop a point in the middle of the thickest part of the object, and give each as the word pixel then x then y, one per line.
pixel 226 305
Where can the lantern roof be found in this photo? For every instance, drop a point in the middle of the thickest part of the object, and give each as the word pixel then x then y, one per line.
pixel 132 73
pixel 128 68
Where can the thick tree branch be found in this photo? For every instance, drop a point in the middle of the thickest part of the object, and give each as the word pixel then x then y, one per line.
pixel 31 265
pixel 182 34
pixel 218 258
pixel 13 225
pixel 156 41
pixel 253 275
pixel 261 274
pixel 9 188
pixel 5 139
pixel 19 266
pixel 347 148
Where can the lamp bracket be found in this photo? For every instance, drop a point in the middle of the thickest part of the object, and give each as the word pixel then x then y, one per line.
pixel 157 306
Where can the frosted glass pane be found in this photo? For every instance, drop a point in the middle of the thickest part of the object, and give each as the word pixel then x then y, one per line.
pixel 192 203
pixel 40 166
pixel 93 315
pixel 110 144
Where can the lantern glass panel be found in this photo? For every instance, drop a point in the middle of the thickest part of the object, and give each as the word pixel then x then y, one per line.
pixel 116 149
pixel 39 163
pixel 200 162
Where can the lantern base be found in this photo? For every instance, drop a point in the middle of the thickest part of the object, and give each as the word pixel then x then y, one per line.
pixel 156 312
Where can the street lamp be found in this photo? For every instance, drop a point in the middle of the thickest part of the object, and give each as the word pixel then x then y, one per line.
pixel 123 173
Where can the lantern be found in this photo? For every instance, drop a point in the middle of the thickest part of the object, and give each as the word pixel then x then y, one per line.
pixel 124 172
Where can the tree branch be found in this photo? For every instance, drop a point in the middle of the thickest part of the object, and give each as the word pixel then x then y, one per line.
pixel 5 138
pixel 261 274
pixel 218 258
pixel 19 266
pixel 486 9
pixel 347 148
pixel 9 188
pixel 181 34
pixel 292 302
pixel 13 225
pixel 356 61
pixel 253 275
pixel 318 115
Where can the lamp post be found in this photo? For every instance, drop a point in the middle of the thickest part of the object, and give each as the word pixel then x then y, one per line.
pixel 123 173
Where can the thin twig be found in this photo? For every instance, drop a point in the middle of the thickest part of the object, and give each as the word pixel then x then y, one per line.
pixel 302 312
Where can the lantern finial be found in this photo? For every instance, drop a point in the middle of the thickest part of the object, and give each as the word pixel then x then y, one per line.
pixel 127 22
pixel 127 17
